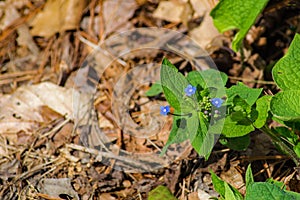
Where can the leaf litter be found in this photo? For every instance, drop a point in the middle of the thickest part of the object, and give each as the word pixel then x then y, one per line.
pixel 41 138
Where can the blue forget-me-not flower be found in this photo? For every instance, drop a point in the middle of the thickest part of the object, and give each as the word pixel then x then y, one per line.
pixel 217 102
pixel 164 110
pixel 190 90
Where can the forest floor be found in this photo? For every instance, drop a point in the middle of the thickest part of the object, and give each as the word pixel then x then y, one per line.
pixel 64 68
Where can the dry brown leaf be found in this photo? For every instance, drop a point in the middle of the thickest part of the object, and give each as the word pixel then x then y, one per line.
pixel 57 187
pixel 233 177
pixel 206 32
pixel 116 15
pixel 57 16
pixel 25 109
pixel 9 169
pixel 202 195
pixel 192 196
pixel 203 6
pixel 107 196
pixel 61 137
pixel 173 11
pixel 10 14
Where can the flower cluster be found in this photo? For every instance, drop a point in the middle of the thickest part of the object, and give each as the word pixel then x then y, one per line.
pixel 205 105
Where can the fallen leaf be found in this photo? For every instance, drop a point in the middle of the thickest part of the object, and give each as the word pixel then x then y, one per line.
pixel 10 13
pixel 9 169
pixel 58 188
pixel 233 177
pixel 173 11
pixel 205 32
pixel 57 16
pixel 202 195
pixel 116 15
pixel 107 196
pixel 203 6
pixel 30 106
pixel 193 196
pixel 62 136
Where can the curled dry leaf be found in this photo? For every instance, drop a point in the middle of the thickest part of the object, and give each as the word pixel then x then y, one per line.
pixel 31 106
pixel 57 16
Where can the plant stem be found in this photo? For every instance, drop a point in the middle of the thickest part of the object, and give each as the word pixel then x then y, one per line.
pixel 187 114
pixel 287 150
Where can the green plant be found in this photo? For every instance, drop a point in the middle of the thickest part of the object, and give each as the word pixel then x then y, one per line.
pixel 159 193
pixel 269 190
pixel 204 107
pixel 238 14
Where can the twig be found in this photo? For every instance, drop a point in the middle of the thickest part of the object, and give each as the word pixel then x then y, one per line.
pixel 19 79
pixel 276 157
pixel 98 48
pixel 252 81
pixel 17 74
pixel 56 128
pixel 108 155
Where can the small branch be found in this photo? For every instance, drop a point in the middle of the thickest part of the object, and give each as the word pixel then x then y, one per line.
pixel 252 81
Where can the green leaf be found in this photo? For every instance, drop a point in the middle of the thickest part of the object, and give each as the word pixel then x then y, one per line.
pixel 173 84
pixel 288 134
pixel 179 132
pixel 195 78
pixel 217 127
pixel 236 143
pixel 192 125
pixel 232 193
pixel 225 190
pixel 296 149
pixel 286 71
pixel 294 125
pixel 285 105
pixel 238 14
pixel 236 129
pixel 218 184
pixel 290 138
pixel 294 194
pixel 228 192
pixel 241 109
pixel 207 78
pixel 154 90
pixel 249 176
pixel 267 191
pixel 262 107
pixel 204 141
pixel 278 183
pixel 250 95
pixel 183 128
pixel 161 192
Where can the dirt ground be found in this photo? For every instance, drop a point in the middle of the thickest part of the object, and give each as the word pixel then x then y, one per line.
pixel 68 83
